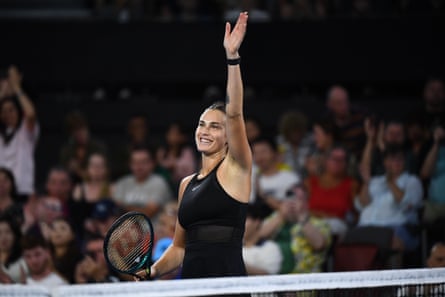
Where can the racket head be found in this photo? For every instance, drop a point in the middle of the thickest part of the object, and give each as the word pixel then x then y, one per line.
pixel 128 243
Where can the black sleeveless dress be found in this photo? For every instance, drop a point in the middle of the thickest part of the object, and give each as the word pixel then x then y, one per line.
pixel 214 225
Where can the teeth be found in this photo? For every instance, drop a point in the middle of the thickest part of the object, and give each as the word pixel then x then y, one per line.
pixel 204 140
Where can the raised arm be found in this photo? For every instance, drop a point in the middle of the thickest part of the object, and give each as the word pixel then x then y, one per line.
pixel 26 104
pixel 239 149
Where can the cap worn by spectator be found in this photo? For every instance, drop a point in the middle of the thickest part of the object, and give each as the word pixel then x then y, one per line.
pixel 104 209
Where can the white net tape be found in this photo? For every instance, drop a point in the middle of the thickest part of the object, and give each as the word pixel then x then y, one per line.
pixel 231 285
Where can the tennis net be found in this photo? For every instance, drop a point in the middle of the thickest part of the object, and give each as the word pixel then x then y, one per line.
pixel 397 283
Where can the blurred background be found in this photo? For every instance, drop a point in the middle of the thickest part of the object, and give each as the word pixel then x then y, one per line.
pixel 110 57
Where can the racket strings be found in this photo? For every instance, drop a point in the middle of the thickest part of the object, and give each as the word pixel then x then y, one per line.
pixel 129 243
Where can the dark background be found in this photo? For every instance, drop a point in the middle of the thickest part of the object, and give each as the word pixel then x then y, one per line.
pixel 384 62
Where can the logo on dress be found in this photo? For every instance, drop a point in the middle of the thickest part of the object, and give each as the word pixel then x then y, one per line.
pixel 195 188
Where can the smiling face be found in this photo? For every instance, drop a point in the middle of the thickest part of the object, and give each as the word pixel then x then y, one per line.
pixel 210 135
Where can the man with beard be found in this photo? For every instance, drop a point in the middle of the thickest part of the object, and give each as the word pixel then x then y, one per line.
pixel 38 259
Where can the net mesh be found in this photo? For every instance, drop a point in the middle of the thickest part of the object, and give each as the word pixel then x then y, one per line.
pixel 129 242
pixel 397 283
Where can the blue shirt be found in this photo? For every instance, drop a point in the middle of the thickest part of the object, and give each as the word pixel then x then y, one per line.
pixel 383 210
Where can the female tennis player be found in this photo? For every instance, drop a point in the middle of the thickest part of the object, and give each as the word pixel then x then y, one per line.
pixel 213 201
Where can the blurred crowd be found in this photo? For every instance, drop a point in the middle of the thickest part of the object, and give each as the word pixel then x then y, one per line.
pixel 262 10
pixel 343 181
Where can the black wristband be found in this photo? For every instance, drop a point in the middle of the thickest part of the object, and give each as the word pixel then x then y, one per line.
pixel 236 61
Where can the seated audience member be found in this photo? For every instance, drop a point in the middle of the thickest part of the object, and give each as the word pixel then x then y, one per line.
pixel 349 121
pixel 270 182
pixel 94 268
pixel 392 200
pixel 433 170
pixel 390 134
pixel 260 256
pixel 331 194
pixel 142 190
pixel 436 258
pixel 19 132
pixel 137 134
pixel 326 137
pixel 164 230
pixel 309 236
pixel 254 128
pixel 80 145
pixel 12 266
pixel 9 205
pixel 59 184
pixel 94 187
pixel 39 219
pixel 37 256
pixel 104 213
pixel 177 156
pixel 294 140
pixel 65 250
pixel 433 109
pixel 418 141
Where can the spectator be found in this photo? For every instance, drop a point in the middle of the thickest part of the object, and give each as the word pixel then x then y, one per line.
pixel 103 214
pixel 176 155
pixel 75 152
pixel 433 170
pixel 433 110
pixel 309 236
pixel 391 134
pixel 37 256
pixel 94 268
pixel 331 194
pixel 40 216
pixel 418 141
pixel 59 184
pixel 8 197
pixel 64 248
pixel 137 134
pixel 348 121
pixel 12 266
pixel 142 190
pixel 270 181
pixel 326 137
pixel 94 187
pixel 254 128
pixel 392 200
pixel 436 258
pixel 260 256
pixel 19 131
pixel 164 232
pixel 294 141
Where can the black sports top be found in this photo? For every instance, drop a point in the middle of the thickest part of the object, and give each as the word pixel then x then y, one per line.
pixel 205 202
pixel 214 228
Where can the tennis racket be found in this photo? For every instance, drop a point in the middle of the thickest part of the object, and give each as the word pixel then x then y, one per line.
pixel 128 244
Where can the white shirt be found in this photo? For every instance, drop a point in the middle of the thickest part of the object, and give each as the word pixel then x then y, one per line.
pixel 15 270
pixel 274 185
pixel 266 256
pixel 18 156
pixel 153 190
pixel 383 210
pixel 52 280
